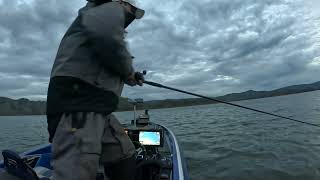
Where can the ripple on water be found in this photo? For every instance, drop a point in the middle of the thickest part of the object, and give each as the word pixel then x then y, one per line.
pixel 221 142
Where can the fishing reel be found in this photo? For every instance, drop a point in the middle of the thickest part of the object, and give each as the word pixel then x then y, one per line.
pixel 139 76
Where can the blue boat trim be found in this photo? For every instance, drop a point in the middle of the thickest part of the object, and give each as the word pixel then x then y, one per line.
pixel 38 150
pixel 179 169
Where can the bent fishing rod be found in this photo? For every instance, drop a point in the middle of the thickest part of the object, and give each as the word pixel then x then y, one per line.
pixel 224 102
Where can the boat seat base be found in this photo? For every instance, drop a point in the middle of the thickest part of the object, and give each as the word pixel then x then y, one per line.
pixel 16 166
pixel 6 176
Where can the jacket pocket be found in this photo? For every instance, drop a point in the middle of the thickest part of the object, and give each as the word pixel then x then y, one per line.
pixel 89 137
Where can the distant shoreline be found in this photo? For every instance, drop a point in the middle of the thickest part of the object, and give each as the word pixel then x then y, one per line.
pixel 216 102
pixel 25 107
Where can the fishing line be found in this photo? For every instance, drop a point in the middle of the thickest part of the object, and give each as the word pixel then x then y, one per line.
pixel 224 102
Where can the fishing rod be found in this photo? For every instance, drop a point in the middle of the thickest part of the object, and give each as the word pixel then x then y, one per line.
pixel 224 102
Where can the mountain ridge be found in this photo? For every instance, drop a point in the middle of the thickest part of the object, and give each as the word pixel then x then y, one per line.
pixel 23 106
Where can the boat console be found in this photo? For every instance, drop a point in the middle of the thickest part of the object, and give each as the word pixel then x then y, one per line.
pixel 153 156
pixel 152 162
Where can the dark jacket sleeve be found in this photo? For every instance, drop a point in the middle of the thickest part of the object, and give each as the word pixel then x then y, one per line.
pixel 104 25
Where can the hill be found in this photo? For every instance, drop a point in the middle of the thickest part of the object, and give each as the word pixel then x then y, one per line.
pixel 10 107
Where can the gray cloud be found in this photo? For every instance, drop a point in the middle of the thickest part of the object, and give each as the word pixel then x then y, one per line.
pixel 251 44
pixel 30 34
pixel 211 46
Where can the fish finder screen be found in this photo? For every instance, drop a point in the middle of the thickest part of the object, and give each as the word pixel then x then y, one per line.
pixel 149 138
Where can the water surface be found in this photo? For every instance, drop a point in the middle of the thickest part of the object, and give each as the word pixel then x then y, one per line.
pixel 219 141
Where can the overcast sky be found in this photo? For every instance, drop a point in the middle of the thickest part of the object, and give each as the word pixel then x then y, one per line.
pixel 212 47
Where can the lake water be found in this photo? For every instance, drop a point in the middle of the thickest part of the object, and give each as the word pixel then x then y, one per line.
pixel 220 141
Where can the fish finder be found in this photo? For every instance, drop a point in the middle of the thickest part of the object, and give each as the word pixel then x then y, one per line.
pixel 150 138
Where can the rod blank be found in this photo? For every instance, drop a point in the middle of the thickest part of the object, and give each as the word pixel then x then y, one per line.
pixel 224 102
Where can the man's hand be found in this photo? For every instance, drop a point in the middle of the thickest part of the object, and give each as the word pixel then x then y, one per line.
pixel 133 80
pixel 139 77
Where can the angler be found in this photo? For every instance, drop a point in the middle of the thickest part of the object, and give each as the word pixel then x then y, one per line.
pixel 90 69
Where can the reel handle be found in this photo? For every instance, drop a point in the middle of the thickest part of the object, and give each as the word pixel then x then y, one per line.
pixel 139 75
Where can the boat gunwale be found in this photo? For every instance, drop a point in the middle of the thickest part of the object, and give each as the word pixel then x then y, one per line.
pixel 179 168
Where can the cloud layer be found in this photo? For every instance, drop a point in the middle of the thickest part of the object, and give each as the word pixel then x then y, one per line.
pixel 212 47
